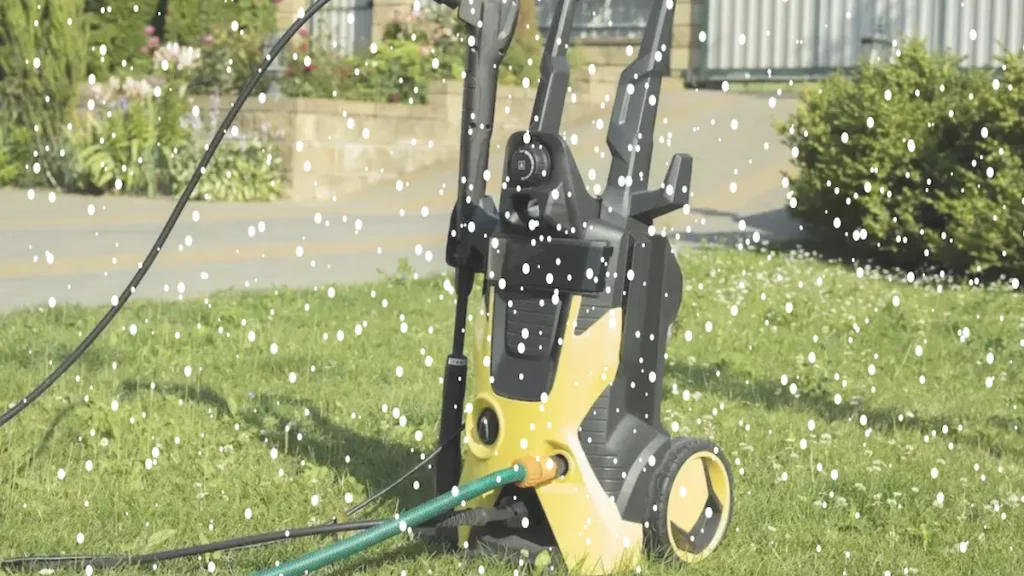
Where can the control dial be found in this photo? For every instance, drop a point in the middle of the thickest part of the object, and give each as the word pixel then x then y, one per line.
pixel 529 165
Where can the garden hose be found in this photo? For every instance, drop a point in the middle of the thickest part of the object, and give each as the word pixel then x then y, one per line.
pixel 404 522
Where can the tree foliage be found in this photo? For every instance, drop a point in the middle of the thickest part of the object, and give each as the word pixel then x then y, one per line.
pixel 42 62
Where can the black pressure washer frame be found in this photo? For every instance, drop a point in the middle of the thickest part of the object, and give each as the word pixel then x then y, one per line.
pixel 476 219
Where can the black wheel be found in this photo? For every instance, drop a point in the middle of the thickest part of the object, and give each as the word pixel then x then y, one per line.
pixel 691 501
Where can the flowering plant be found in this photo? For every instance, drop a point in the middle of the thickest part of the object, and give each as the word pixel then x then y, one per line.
pixel 134 126
pixel 174 55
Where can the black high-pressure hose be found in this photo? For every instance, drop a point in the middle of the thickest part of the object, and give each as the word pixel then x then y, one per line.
pixel 179 207
pixel 461 518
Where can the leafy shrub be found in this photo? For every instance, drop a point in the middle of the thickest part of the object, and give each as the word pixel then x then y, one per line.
pixel 445 35
pixel 42 60
pixel 120 35
pixel 189 21
pixel 127 142
pixel 9 169
pixel 440 31
pixel 232 30
pixel 231 33
pixel 243 169
pixel 228 61
pixel 915 164
pixel 398 72
pixel 134 127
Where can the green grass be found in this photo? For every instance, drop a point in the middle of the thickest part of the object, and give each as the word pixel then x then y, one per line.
pixel 219 408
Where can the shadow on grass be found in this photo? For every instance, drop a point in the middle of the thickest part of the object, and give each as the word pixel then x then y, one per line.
pixel 44 441
pixel 992 436
pixel 374 463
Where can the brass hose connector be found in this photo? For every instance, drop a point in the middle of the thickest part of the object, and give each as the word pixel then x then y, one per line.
pixel 542 471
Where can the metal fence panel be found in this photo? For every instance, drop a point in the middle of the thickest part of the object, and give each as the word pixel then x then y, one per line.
pixel 344 27
pixel 760 39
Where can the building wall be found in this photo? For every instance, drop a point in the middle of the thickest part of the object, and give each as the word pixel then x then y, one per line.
pixel 807 38
pixel 608 54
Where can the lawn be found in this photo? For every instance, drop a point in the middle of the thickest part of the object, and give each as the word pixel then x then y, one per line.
pixel 874 424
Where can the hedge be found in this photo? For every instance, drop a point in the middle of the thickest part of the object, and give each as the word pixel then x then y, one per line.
pixel 916 164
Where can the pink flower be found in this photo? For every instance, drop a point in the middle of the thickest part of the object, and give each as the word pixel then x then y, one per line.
pixel 208 39
pixel 153 42
pixel 150 30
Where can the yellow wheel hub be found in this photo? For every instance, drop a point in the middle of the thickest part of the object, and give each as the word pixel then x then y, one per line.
pixel 699 506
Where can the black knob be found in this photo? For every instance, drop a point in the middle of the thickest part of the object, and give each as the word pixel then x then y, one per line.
pixel 529 165
pixel 487 427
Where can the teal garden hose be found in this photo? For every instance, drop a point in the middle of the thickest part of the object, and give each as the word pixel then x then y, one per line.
pixel 410 519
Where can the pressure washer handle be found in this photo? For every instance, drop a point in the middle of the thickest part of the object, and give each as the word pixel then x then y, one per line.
pixel 493 24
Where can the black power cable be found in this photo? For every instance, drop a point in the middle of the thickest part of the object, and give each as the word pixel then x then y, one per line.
pixel 179 207
pixel 355 509
pixel 101 562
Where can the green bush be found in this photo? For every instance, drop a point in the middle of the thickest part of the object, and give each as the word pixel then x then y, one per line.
pixel 42 60
pixel 189 21
pixel 244 169
pixel 916 164
pixel 444 35
pixel 120 35
pixel 399 71
pixel 228 61
pixel 9 146
pixel 128 140
pixel 231 34
pixel 437 29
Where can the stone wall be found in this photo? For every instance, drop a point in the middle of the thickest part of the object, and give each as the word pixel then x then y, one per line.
pixel 346 145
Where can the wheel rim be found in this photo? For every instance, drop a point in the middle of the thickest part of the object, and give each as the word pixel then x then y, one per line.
pixel 699 506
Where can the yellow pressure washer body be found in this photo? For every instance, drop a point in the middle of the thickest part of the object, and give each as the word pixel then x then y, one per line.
pixel 568 364
pixel 579 296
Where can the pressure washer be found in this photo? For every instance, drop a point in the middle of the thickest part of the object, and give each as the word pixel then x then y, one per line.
pixel 560 449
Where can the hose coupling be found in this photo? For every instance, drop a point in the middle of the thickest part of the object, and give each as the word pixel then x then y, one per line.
pixel 542 471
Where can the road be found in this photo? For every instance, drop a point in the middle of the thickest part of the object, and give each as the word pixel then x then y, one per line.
pixel 83 250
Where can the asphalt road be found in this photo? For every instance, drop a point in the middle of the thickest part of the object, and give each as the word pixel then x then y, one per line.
pixel 83 250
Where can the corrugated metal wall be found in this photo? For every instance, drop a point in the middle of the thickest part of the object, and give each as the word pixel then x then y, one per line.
pixel 744 39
